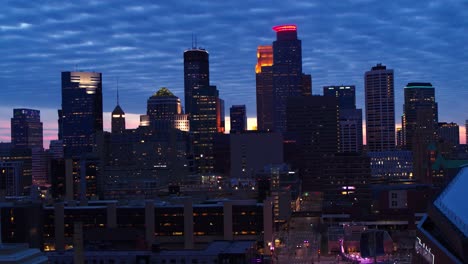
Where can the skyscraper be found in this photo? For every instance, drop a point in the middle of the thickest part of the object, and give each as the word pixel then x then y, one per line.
pixel 287 72
pixel 165 111
pixel 26 129
pixel 350 117
pixel 264 87
pixel 420 113
pixel 196 74
pixel 449 133
pixel 205 122
pixel 420 123
pixel 238 118
pixel 118 117
pixel 380 108
pixel 313 125
pixel 81 111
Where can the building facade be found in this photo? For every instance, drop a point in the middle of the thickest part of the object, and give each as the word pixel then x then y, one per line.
pixel 238 118
pixel 264 87
pixel 350 117
pixel 196 74
pixel 380 108
pixel 165 111
pixel 26 129
pixel 81 111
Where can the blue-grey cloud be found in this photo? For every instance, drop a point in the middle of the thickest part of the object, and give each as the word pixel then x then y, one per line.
pixel 141 44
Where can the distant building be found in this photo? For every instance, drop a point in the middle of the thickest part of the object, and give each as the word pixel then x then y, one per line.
pixel 26 129
pixel 205 123
pixel 81 111
pixel 351 135
pixel 56 149
pixel 391 165
pixel 118 120
pixel 380 108
pixel 196 74
pixel 450 133
pixel 264 87
pixel 400 138
pixel 165 111
pixel 420 123
pixel 313 126
pixel 238 118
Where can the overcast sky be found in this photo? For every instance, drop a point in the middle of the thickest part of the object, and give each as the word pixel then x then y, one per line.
pixel 141 44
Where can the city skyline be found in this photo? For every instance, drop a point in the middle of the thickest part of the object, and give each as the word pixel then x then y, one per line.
pixel 340 41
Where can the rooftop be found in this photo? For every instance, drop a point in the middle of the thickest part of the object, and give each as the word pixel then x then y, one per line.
pixel 163 92
pixel 452 201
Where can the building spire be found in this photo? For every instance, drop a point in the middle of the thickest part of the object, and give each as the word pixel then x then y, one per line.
pixel 118 103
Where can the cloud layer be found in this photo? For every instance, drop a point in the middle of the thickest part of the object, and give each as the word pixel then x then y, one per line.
pixel 141 44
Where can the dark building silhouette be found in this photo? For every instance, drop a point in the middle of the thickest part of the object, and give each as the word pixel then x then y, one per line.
pixel 26 129
pixel 287 72
pixel 448 135
pixel 350 117
pixel 205 123
pixel 380 108
pixel 118 118
pixel 238 118
pixel 278 77
pixel 81 111
pixel 165 111
pixel 420 123
pixel 196 74
pixel 264 87
pixel 313 127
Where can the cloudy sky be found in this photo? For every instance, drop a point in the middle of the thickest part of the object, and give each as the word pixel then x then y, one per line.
pixel 141 44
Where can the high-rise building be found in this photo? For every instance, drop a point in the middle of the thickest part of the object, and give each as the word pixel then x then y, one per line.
pixel 118 118
pixel 205 123
pixel 449 133
pixel 26 129
pixel 287 72
pixel 81 111
pixel 238 118
pixel 420 123
pixel 380 108
pixel 420 112
pixel 313 125
pixel 264 87
pixel 350 117
pixel 165 111
pixel 196 74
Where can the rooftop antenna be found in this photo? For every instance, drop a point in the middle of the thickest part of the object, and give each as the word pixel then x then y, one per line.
pixel 192 42
pixel 196 41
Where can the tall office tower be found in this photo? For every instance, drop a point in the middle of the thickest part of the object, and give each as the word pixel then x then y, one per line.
pixel 380 108
pixel 264 87
pixel 56 149
pixel 39 168
pixel 81 111
pixel 420 123
pixel 118 118
pixel 205 124
pixel 287 72
pixel 196 74
pixel 313 124
pixel 165 111
pixel 350 117
pixel 238 118
pixel 420 113
pixel 26 129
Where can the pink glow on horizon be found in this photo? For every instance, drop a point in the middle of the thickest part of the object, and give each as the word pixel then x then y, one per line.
pixel 49 119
